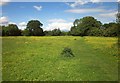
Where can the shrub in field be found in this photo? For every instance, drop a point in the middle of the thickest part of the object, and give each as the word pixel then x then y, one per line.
pixel 67 52
pixel 75 39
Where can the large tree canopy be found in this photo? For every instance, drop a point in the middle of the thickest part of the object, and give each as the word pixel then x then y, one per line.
pixel 83 25
pixel 34 27
pixel 10 30
pixel 111 29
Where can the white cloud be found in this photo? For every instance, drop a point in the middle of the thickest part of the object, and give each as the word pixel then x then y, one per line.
pixel 38 7
pixel 61 26
pixel 77 3
pixel 3 2
pixel 109 14
pixel 58 23
pixel 85 10
pixel 94 1
pixel 12 23
pixel 4 20
pixel 106 17
pixel 57 20
pixel 82 2
pixel 22 25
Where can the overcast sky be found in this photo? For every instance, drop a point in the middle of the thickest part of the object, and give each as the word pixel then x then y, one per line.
pixel 56 14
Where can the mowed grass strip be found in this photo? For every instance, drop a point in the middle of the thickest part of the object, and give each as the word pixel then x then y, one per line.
pixel 38 59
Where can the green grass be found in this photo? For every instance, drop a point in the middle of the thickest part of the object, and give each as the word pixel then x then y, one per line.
pixel 38 58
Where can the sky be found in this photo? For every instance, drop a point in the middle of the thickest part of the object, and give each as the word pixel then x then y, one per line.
pixel 56 14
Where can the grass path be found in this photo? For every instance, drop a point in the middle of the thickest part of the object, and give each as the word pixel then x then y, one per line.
pixel 38 58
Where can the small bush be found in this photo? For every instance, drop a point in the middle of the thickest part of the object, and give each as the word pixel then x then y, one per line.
pixel 67 52
pixel 75 39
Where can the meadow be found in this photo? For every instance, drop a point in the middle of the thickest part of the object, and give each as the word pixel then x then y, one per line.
pixel 40 59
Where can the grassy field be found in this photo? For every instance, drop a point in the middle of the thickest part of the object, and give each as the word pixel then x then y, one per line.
pixel 38 58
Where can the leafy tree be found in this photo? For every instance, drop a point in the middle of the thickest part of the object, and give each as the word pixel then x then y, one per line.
pixel 84 25
pixel 118 21
pixel 112 30
pixel 56 32
pixel 25 32
pixel 107 25
pixel 75 31
pixel 48 33
pixel 68 33
pixel 34 27
pixel 64 33
pixel 11 30
pixel 118 17
pixel 76 22
pixel 87 23
pixel 1 31
pixel 4 31
pixel 96 32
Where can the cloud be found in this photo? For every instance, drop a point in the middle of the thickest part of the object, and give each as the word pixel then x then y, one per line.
pixel 38 7
pixel 12 23
pixel 81 2
pixel 4 20
pixel 57 20
pixel 58 23
pixel 61 26
pixel 106 17
pixel 22 25
pixel 95 1
pixel 109 14
pixel 4 2
pixel 85 10
pixel 77 3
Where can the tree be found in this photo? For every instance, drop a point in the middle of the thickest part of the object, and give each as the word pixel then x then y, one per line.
pixel 118 21
pixel 4 30
pixel 112 30
pixel 48 33
pixel 1 31
pixel 25 32
pixel 84 25
pixel 96 32
pixel 34 28
pixel 74 31
pixel 56 32
pixel 11 30
pixel 76 22
pixel 64 33
pixel 107 25
pixel 118 17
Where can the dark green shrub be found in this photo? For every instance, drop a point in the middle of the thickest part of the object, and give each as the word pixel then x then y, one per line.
pixel 67 52
pixel 75 39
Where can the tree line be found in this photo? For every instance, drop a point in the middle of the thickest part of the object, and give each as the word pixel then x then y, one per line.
pixel 86 26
